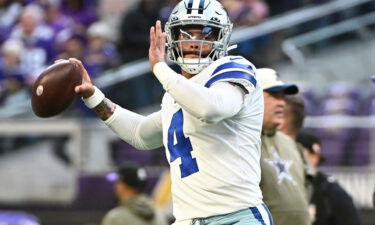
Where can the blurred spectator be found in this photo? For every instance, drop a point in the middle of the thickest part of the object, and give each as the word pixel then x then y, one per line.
pixel 14 102
pixel 310 98
pixel 292 123
pixel 282 6
pixel 162 195
pixel 294 115
pixel 134 206
pixel 73 47
pixel 246 12
pixel 101 53
pixel 37 39
pixel 166 10
pixel 16 97
pixel 82 12
pixel 111 13
pixel 330 203
pixel 10 57
pixel 9 13
pixel 134 31
pixel 54 16
pixel 134 43
pixel 342 99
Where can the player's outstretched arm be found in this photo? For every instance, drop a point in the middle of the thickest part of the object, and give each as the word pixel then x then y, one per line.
pixel 142 132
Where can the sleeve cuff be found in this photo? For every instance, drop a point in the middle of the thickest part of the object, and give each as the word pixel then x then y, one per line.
pixel 95 99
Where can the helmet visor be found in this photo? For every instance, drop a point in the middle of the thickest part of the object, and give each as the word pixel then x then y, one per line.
pixel 195 32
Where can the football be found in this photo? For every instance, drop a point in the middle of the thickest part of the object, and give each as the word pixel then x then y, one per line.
pixel 53 91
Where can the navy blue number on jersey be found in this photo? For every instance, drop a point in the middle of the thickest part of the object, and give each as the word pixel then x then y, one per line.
pixel 182 149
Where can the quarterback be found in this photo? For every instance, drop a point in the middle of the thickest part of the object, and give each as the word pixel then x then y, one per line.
pixel 210 119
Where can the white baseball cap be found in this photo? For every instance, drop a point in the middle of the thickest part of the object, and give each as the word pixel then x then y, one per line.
pixel 270 82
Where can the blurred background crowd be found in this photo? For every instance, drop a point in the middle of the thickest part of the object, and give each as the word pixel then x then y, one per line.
pixel 331 59
pixel 106 34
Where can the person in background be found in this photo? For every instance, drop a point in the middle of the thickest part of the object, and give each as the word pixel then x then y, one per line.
pixel 294 115
pixel 135 207
pixel 162 195
pixel 37 39
pixel 11 53
pixel 292 123
pixel 247 12
pixel 82 12
pixel 15 98
pixel 14 103
pixel 73 47
pixel 134 29
pixel 101 53
pixel 330 203
pixel 10 10
pixel 283 175
pixel 54 16
pixel 111 12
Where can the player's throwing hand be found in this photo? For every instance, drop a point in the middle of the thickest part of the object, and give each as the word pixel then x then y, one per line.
pixel 86 89
pixel 157 45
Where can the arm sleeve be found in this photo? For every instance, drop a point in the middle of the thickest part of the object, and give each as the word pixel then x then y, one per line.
pixel 142 132
pixel 222 100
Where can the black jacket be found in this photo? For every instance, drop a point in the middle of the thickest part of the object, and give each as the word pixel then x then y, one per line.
pixel 333 204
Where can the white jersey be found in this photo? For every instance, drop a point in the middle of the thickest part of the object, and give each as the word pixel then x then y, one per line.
pixel 215 167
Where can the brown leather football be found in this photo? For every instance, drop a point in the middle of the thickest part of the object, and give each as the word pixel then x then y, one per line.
pixel 53 91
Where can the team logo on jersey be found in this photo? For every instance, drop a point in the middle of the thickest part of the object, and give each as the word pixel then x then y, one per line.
pixel 281 166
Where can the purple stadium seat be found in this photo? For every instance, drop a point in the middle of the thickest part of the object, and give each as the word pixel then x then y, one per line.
pixel 122 151
pixel 95 192
pixel 342 99
pixel 361 156
pixel 345 147
pixel 333 143
pixel 369 105
pixel 310 98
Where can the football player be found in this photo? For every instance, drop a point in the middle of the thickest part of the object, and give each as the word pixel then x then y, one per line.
pixel 210 119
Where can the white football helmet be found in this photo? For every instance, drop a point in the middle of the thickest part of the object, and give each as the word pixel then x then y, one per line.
pixel 213 18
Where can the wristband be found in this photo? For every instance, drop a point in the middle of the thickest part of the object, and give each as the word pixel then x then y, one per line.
pixel 95 99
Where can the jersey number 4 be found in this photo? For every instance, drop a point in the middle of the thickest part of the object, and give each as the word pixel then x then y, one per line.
pixel 182 149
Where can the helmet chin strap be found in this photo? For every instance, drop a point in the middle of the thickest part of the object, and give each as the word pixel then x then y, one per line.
pixel 193 65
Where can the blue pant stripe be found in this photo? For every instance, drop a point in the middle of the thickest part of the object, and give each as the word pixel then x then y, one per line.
pixel 257 215
pixel 269 213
